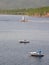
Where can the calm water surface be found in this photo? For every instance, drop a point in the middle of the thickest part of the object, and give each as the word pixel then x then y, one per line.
pixel 12 30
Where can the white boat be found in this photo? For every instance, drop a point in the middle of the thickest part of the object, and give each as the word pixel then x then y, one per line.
pixel 36 54
pixel 23 19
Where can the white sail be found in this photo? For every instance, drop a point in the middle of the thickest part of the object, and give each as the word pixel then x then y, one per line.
pixel 23 18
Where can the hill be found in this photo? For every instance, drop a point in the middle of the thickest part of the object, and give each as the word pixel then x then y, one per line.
pixel 12 4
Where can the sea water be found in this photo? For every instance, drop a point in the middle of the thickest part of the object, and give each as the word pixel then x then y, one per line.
pixel 12 30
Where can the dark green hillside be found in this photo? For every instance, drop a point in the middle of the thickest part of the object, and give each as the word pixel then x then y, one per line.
pixel 28 11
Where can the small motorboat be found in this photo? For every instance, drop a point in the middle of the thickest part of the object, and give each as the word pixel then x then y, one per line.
pixel 24 41
pixel 36 54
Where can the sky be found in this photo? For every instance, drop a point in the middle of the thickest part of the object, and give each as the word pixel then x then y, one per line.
pixel 12 4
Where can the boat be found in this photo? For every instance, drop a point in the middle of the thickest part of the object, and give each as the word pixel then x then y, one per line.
pixel 24 41
pixel 23 19
pixel 36 54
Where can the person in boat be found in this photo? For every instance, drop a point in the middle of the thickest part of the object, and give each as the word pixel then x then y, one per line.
pixel 37 54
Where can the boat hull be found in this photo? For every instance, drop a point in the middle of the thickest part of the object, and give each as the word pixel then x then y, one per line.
pixel 37 55
pixel 24 41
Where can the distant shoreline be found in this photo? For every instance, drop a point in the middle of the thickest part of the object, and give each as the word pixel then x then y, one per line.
pixel 34 12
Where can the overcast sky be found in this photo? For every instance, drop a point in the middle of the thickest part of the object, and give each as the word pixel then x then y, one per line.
pixel 12 4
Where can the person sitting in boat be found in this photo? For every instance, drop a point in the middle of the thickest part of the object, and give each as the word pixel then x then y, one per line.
pixel 39 52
